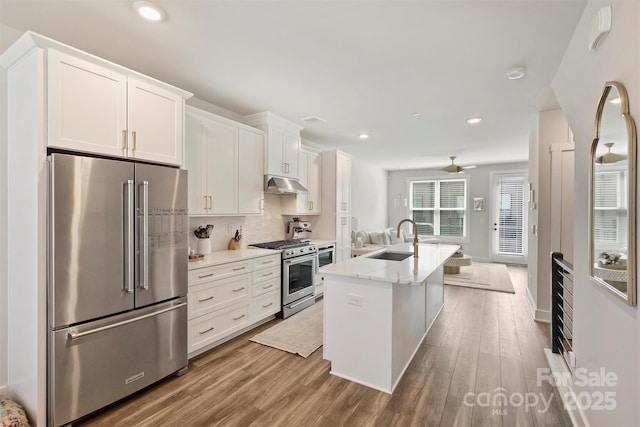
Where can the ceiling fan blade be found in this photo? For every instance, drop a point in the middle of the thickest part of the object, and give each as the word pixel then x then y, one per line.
pixel 469 167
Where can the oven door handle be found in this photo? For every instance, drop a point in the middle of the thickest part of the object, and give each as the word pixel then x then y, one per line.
pixel 300 259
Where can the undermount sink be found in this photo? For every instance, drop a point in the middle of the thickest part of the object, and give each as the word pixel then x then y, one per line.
pixel 392 256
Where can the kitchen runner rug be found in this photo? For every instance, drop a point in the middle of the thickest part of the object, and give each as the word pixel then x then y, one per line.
pixel 482 275
pixel 299 334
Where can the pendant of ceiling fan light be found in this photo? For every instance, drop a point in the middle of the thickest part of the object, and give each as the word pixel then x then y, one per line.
pixel 452 168
pixel 609 158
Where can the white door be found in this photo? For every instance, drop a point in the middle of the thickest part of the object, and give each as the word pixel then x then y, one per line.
pixel 196 163
pixel 509 225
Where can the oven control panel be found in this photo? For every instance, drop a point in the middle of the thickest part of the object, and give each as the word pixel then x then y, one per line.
pixel 303 250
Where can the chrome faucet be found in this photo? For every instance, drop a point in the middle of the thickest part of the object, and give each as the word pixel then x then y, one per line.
pixel 415 235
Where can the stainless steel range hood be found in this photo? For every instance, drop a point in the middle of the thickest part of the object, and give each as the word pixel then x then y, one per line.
pixel 280 185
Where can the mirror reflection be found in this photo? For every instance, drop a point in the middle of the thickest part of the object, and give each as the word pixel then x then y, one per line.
pixel 612 255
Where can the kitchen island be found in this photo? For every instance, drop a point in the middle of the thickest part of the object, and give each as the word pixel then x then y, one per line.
pixel 378 311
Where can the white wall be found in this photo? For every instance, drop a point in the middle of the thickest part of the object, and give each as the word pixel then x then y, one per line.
pixel 606 330
pixel 368 196
pixel 7 36
pixel 479 229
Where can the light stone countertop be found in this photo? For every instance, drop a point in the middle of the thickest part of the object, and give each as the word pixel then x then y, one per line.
pixel 321 242
pixel 224 257
pixel 409 271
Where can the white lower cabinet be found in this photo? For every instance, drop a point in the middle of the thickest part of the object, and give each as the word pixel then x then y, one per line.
pixel 227 298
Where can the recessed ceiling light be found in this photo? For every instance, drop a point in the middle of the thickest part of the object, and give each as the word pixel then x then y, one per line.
pixel 516 73
pixel 364 135
pixel 474 120
pixel 416 115
pixel 149 11
pixel 615 101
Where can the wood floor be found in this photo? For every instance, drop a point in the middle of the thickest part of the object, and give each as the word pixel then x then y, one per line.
pixel 481 342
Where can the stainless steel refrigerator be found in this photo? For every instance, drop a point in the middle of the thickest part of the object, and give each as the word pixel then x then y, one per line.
pixel 118 237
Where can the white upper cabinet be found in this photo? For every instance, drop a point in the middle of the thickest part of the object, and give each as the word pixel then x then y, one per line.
pixel 104 109
pixel 155 117
pixel 310 178
pixel 87 106
pixel 282 144
pixel 225 161
pixel 250 172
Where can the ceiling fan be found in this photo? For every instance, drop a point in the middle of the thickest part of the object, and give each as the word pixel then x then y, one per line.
pixel 453 168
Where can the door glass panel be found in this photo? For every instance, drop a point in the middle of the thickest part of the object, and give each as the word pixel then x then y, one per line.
pixel 511 216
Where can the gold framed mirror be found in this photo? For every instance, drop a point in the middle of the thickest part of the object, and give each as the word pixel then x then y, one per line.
pixel 612 190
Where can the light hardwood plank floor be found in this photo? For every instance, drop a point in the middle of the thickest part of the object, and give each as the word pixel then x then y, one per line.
pixel 484 345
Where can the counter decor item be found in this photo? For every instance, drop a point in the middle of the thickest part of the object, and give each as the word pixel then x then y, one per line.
pixel 203 234
pixel 234 243
pixel 612 260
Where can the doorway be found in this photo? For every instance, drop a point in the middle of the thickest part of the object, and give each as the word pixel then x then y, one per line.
pixel 509 217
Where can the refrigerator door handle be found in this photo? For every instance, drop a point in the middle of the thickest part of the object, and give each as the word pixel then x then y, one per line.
pixel 129 219
pixel 75 335
pixel 144 267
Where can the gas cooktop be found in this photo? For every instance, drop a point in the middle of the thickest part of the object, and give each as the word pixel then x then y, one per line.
pixel 282 244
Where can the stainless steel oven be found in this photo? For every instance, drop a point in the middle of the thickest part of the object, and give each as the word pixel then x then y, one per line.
pixel 326 256
pixel 299 268
pixel 298 274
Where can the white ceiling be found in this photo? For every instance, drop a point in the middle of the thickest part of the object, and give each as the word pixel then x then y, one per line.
pixel 364 66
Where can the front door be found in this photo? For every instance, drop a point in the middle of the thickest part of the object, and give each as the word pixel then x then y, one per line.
pixel 509 218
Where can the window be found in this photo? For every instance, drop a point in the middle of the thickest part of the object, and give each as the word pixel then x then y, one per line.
pixel 439 207
pixel 610 211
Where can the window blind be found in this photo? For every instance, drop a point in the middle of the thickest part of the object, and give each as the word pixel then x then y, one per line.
pixel 511 216
pixel 439 207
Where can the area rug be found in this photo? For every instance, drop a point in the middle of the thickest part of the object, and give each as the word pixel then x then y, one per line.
pixel 299 334
pixel 482 275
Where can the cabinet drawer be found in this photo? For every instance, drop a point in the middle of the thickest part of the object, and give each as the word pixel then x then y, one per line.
pixel 265 305
pixel 210 328
pixel 266 274
pixel 218 293
pixel 266 262
pixel 207 274
pixel 265 286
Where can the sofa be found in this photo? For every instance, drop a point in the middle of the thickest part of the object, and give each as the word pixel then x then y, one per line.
pixel 385 237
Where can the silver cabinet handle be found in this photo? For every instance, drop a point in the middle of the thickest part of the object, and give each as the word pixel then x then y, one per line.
pixel 205 275
pixel 284 168
pixel 239 317
pixel 133 134
pixel 124 139
pixel 205 202
pixel 267 274
pixel 74 335
pixel 261 206
pixel 267 287
pixel 267 262
pixel 265 306
pixel 205 299
pixel 239 289
pixel 238 269
pixel 145 236
pixel 129 217
pixel 206 330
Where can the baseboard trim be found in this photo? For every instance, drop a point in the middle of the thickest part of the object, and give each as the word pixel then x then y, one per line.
pixel 559 369
pixel 4 389
pixel 543 316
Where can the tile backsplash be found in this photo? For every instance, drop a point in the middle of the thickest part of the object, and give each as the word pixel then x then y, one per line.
pixel 271 225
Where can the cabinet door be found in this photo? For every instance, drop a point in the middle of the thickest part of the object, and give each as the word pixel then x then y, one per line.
pixel 195 162
pixel 292 154
pixel 343 184
pixel 314 181
pixel 222 166
pixel 87 106
pixel 155 123
pixel 302 200
pixel 343 237
pixel 250 172
pixel 275 151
